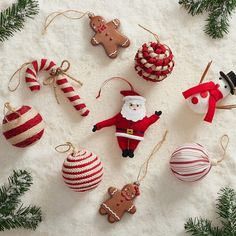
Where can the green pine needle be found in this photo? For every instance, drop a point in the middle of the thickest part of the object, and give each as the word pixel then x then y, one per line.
pixel 226 206
pixel 220 11
pixel 13 18
pixel 12 213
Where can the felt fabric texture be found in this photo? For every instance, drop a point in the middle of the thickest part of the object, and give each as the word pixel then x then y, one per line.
pixel 165 202
pixel 215 96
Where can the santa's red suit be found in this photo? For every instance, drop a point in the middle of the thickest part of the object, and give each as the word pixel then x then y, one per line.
pixel 129 133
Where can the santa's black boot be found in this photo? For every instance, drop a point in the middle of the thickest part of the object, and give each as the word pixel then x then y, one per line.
pixel 131 153
pixel 125 153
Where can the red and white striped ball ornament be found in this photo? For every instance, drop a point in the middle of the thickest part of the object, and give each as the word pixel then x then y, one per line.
pixel 154 60
pixel 59 77
pixel 190 162
pixel 82 170
pixel 22 126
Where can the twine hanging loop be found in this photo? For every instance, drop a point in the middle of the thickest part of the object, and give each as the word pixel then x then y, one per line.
pixel 68 146
pixel 52 17
pixel 144 167
pixel 154 34
pixel 224 142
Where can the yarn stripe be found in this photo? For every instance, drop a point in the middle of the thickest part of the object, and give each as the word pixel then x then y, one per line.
pixel 29 133
pixel 84 181
pixel 71 95
pixel 30 140
pixel 85 162
pixel 23 127
pixel 80 174
pixel 25 115
pixel 83 185
pixel 36 66
pixel 82 177
pixel 13 116
pixel 42 64
pixel 86 186
pixel 75 165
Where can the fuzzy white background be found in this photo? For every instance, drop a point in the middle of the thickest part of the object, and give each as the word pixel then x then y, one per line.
pixel 165 203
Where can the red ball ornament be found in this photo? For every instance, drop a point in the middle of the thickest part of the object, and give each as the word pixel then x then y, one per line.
pixel 154 61
pixel 82 170
pixel 22 126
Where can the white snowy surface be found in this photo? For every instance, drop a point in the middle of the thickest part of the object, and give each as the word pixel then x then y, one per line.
pixel 165 203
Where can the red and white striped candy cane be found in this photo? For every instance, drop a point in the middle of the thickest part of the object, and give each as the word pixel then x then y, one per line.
pixel 72 96
pixel 33 69
pixel 46 65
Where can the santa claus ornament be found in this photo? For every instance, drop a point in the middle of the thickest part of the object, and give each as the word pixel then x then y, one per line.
pixel 131 122
pixel 57 76
pixel 203 98
pixel 122 201
pixel 22 126
pixel 154 60
pixel 82 170
pixel 190 162
pixel 106 33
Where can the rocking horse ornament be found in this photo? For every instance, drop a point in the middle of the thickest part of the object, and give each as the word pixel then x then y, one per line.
pixel 203 97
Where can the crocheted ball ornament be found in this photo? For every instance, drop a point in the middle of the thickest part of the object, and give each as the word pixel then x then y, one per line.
pixel 82 171
pixel 154 61
pixel 23 126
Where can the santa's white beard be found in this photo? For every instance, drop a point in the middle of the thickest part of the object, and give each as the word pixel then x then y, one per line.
pixel 133 115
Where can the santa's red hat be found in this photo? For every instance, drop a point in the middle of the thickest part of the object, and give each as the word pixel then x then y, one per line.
pixel 132 95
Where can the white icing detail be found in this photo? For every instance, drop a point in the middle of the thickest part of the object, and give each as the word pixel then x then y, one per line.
pixel 114 192
pixel 130 208
pixel 95 41
pixel 109 209
pixel 115 23
pixel 113 53
pixel 125 42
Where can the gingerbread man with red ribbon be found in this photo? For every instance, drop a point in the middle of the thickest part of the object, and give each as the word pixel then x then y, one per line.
pixel 203 97
pixel 108 35
pixel 120 201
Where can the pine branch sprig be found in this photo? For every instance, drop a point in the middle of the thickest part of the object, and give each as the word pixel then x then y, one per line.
pixel 195 7
pixel 13 18
pixel 226 209
pixel 220 12
pixel 12 213
pixel 201 227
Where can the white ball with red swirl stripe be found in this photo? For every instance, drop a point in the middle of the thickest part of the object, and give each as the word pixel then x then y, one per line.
pixel 31 73
pixel 23 127
pixel 190 162
pixel 82 171
pixel 154 61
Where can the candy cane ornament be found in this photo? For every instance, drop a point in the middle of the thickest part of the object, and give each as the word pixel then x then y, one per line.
pixel 58 76
pixel 72 96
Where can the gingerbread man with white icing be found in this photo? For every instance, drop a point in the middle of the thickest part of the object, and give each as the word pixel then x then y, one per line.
pixel 108 35
pixel 120 201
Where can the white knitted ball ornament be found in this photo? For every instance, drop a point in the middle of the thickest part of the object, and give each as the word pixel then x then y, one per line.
pixel 190 162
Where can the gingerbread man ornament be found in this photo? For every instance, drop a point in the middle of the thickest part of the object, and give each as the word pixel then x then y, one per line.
pixel 120 201
pixel 108 35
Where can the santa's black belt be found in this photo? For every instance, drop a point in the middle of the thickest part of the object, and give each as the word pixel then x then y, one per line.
pixel 130 131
